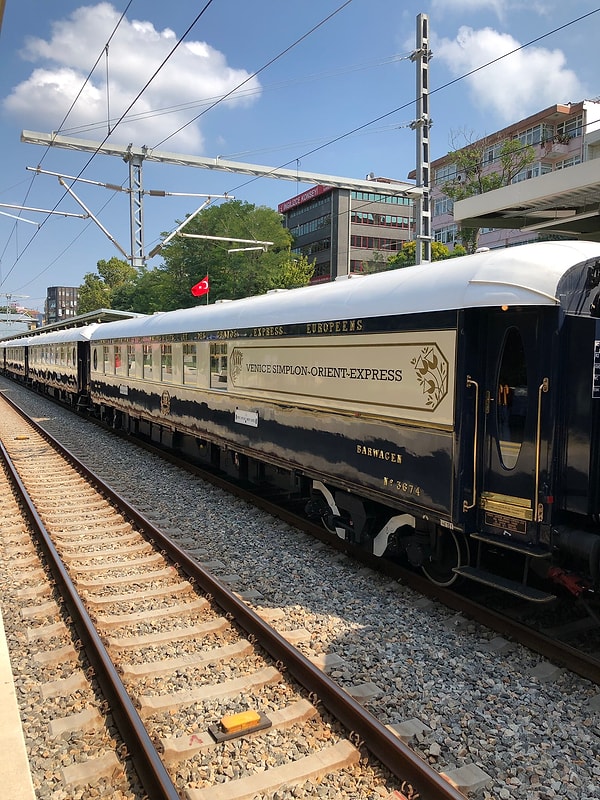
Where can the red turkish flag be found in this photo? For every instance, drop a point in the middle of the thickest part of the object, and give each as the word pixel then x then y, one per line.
pixel 201 288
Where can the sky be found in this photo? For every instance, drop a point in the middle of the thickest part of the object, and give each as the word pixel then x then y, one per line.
pixel 322 86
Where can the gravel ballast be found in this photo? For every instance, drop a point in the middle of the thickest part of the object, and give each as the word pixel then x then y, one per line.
pixel 473 699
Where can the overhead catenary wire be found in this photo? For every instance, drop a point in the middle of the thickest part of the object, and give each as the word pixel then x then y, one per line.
pixel 140 93
pixel 136 98
pixel 440 88
pixel 372 121
pixel 240 93
pixel 64 119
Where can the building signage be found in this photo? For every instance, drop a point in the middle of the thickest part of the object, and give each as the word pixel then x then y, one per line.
pixel 401 375
pixel 299 199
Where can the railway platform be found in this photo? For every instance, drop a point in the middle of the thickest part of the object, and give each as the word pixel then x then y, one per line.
pixel 14 764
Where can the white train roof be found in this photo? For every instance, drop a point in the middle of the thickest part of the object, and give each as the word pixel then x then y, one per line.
pixel 523 275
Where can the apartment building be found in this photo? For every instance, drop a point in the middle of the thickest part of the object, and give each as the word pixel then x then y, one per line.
pixel 347 232
pixel 562 136
pixel 61 303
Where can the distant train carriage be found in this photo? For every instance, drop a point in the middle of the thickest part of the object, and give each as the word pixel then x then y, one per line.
pixel 14 358
pixel 447 411
pixel 58 363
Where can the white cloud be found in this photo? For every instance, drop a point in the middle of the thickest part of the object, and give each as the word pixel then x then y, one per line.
pixel 196 72
pixel 519 84
pixel 498 6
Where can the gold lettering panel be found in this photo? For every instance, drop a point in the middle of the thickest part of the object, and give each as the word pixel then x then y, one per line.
pixel 404 375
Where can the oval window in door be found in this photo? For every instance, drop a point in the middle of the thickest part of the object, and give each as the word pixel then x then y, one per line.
pixel 511 395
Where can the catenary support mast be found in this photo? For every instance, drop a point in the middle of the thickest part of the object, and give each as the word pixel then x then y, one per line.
pixel 135 156
pixel 421 125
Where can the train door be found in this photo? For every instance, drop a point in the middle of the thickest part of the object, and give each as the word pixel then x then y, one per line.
pixel 83 368
pixel 513 399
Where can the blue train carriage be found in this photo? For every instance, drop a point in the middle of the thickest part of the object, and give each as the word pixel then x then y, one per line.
pixel 59 364
pixel 282 389
pixel 424 411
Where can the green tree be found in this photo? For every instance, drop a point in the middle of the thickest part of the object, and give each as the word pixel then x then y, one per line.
pixel 406 256
pixel 93 294
pixel 98 290
pixel 151 291
pixel 186 261
pixel 475 175
pixel 377 263
pixel 232 274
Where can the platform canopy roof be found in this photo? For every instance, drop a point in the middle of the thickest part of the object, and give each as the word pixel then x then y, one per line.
pixel 100 315
pixel 565 201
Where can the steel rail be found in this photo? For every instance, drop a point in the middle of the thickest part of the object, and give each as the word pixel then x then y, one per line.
pixel 384 745
pixel 150 769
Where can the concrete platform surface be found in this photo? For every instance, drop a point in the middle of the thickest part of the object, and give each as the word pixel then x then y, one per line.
pixel 14 764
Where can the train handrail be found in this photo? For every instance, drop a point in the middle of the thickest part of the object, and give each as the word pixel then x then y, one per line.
pixel 466 505
pixel 539 508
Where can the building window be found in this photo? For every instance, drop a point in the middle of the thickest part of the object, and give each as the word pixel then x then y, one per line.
pixel 376 243
pixel 387 220
pixel 315 247
pixel 568 162
pixel 445 173
pixel 533 171
pixel 371 197
pixel 311 226
pixel 571 127
pixel 447 235
pixel 443 205
pixel 535 135
pixel 306 207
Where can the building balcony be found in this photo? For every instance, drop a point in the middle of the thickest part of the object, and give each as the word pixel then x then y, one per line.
pixel 555 151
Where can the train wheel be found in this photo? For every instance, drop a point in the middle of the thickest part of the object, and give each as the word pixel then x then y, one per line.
pixel 452 550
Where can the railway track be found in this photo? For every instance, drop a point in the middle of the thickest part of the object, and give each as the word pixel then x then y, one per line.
pixel 209 700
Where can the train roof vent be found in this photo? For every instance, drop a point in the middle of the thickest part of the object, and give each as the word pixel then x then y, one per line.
pixel 223 301
pixel 350 275
pixel 276 291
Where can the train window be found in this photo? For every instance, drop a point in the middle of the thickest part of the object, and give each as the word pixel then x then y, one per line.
pixel 190 369
pixel 131 360
pixel 147 361
pixel 511 407
pixel 166 363
pixel 106 359
pixel 73 357
pixel 95 359
pixel 119 363
pixel 218 365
